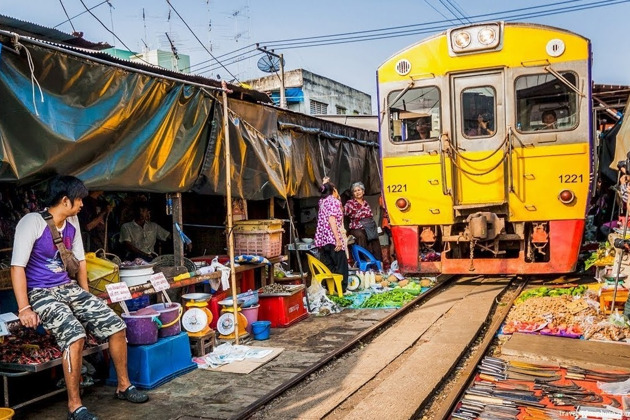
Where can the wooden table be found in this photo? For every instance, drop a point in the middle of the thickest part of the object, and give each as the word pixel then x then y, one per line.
pixel 147 288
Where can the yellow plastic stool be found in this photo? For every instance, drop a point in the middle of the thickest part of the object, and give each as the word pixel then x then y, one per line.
pixel 320 272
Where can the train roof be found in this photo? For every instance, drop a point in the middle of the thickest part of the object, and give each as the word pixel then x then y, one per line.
pixel 505 24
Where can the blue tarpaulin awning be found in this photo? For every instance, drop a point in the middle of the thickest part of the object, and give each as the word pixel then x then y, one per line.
pixel 294 95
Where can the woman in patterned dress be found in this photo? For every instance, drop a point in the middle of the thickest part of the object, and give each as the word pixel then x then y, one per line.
pixel 329 235
pixel 358 209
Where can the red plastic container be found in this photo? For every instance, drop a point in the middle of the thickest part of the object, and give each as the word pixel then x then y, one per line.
pixel 282 311
pixel 215 308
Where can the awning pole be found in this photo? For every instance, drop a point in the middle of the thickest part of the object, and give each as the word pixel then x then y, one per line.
pixel 228 187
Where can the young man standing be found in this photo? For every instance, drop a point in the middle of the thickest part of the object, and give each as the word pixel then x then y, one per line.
pixel 46 294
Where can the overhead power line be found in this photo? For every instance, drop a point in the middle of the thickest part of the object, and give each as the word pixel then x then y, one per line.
pixel 66 13
pixel 523 13
pixel 404 30
pixel 198 40
pixel 79 14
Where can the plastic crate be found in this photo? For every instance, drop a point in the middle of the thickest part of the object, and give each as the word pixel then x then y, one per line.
pixel 100 273
pixel 155 364
pixel 282 311
pixel 262 243
pixel 258 237
pixel 258 225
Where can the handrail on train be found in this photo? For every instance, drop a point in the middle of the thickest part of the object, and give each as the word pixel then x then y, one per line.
pixel 445 190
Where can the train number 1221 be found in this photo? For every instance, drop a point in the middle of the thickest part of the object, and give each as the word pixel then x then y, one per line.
pixel 397 188
pixel 570 178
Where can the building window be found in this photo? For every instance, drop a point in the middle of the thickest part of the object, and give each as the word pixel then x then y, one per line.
pixel 341 110
pixel 355 112
pixel 318 108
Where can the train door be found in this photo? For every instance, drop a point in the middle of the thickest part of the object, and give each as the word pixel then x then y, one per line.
pixel 479 130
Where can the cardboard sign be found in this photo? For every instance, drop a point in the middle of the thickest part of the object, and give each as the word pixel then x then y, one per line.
pixel 118 292
pixel 4 319
pixel 159 282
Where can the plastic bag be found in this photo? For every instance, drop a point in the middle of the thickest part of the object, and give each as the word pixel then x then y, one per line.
pixel 615 388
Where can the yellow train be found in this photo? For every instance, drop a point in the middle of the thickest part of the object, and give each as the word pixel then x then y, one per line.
pixel 486 140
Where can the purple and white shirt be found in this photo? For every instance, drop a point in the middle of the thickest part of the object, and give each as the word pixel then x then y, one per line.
pixel 329 206
pixel 34 249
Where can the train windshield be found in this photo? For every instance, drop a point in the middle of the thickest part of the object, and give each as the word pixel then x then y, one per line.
pixel 545 103
pixel 478 111
pixel 414 114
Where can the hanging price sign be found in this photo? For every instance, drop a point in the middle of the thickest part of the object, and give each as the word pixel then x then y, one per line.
pixel 118 292
pixel 159 282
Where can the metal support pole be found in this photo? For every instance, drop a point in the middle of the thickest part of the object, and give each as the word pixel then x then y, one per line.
pixel 283 99
pixel 228 188
pixel 178 243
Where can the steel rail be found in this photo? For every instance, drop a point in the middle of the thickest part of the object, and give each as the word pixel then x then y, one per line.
pixel 467 375
pixel 252 408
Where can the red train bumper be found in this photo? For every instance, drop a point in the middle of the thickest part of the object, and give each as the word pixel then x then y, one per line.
pixel 565 237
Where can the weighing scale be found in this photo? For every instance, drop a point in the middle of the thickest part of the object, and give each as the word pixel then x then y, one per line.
pixel 197 318
pixel 225 324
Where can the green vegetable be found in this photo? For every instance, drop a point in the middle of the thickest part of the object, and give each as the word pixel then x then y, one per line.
pixel 341 301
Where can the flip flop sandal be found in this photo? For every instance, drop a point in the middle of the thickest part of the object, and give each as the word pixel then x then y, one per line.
pixel 132 394
pixel 82 413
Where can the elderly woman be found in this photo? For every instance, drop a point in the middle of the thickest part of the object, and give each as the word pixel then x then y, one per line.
pixel 329 235
pixel 362 224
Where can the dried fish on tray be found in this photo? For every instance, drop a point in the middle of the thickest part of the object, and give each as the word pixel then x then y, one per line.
pixel 27 350
pixel 276 289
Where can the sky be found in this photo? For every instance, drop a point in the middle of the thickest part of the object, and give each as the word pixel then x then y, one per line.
pixel 228 30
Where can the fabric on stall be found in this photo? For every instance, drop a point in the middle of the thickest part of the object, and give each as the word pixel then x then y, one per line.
pixel 111 128
pixel 121 130
pixel 256 166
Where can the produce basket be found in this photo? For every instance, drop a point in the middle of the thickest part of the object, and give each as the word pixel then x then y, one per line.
pixel 258 237
pixel 166 264
pixel 100 272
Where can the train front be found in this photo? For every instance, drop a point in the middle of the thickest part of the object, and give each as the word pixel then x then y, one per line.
pixel 486 142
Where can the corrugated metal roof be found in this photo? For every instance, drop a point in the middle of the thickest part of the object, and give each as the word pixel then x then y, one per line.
pixel 47 34
pixel 78 44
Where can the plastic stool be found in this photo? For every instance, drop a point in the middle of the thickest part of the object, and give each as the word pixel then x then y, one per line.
pixel 365 259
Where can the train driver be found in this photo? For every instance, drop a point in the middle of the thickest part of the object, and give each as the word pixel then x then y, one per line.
pixel 549 120
pixel 422 129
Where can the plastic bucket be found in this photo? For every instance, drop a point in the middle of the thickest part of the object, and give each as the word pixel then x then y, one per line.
pixel 141 329
pixel 6 413
pixel 251 314
pixel 261 329
pixel 170 315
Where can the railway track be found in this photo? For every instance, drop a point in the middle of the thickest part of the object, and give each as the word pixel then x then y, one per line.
pixel 415 362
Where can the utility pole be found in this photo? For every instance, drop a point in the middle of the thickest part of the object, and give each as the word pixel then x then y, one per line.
pixel 283 99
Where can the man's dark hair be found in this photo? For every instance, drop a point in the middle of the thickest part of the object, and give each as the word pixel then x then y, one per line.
pixel 65 186
pixel 138 207
pixel 549 112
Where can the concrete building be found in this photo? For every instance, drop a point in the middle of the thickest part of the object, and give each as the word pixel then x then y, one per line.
pixel 312 94
pixel 164 59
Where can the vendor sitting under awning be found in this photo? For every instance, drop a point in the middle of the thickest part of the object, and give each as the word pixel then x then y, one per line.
pixel 140 235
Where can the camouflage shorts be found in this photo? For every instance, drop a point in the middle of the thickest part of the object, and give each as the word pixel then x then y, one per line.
pixel 65 310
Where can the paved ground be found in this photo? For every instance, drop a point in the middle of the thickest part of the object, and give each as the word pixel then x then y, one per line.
pixel 216 395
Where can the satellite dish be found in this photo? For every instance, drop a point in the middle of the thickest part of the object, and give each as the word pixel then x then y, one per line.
pixel 269 63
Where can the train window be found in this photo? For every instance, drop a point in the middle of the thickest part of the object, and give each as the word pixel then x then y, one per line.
pixel 414 114
pixel 544 103
pixel 478 112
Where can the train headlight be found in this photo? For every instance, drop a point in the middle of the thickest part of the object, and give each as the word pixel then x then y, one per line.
pixel 403 204
pixel 475 38
pixel 461 39
pixel 486 36
pixel 566 196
